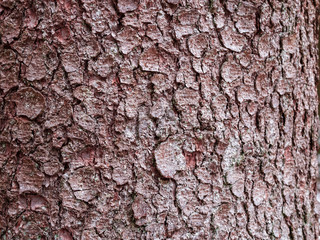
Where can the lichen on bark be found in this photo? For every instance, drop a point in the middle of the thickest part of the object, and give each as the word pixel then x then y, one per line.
pixel 165 119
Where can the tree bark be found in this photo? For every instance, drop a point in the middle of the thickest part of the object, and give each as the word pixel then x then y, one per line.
pixel 176 119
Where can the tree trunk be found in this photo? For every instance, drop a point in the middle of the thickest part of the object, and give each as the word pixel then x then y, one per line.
pixel 176 119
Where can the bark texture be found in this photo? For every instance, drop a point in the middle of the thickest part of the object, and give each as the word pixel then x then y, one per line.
pixel 176 119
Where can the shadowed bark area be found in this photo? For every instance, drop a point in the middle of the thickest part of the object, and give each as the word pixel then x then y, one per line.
pixel 176 119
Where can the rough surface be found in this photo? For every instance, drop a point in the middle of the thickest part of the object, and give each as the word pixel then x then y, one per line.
pixel 169 158
pixel 171 119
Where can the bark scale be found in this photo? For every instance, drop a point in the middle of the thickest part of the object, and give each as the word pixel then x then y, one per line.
pixel 167 119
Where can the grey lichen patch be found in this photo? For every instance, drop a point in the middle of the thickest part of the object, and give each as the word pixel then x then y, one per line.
pixel 197 44
pixel 266 45
pixel 122 175
pixel 84 182
pixel 231 71
pixel 246 25
pixel 29 102
pixel 140 209
pixel 259 193
pixel 289 43
pixel 94 106
pixel 29 177
pixel 236 177
pixel 232 40
pixel 246 18
pixel 232 154
pixel 169 158
pixel 59 113
pixel 246 93
pixel 186 98
pixel 104 65
pixel 83 119
pixel 127 5
pixel 187 102
pixel 128 39
pixel 149 60
pixel 36 70
pixel 162 119
pixel 155 60
pixel 162 82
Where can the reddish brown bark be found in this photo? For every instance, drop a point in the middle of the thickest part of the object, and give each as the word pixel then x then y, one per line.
pixel 176 119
